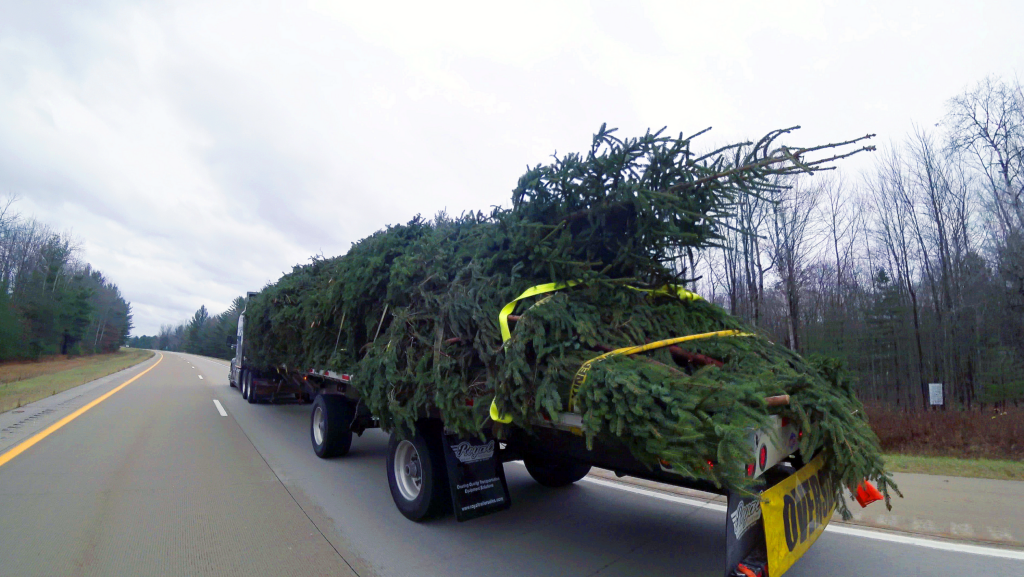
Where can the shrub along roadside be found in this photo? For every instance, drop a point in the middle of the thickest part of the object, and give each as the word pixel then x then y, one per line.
pixel 959 434
pixel 60 374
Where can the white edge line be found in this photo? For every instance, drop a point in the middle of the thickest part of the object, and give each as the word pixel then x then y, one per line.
pixel 663 496
pixel 220 408
pixel 929 543
pixel 200 376
pixel 832 528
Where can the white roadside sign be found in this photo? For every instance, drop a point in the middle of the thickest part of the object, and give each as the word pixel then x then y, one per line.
pixel 935 393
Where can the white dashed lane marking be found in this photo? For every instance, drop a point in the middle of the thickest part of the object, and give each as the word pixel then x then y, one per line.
pixel 220 408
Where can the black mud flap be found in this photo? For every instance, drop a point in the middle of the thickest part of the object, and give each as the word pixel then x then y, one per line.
pixel 745 551
pixel 475 476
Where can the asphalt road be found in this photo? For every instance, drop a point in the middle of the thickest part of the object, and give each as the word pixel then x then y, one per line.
pixel 154 480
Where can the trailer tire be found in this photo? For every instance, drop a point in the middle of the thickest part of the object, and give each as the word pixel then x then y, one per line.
pixel 330 426
pixel 250 391
pixel 555 471
pixel 417 475
pixel 243 384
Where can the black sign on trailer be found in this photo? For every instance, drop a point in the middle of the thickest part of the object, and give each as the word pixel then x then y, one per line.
pixel 744 535
pixel 476 477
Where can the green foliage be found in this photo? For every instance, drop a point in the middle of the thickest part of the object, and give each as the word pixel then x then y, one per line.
pixel 50 303
pixel 412 312
pixel 1001 378
pixel 143 342
pixel 211 336
pixel 10 328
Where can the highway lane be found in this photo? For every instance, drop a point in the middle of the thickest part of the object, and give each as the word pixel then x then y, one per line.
pixel 587 529
pixel 155 480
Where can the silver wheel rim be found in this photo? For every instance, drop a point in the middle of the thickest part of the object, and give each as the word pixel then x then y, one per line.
pixel 408 470
pixel 318 426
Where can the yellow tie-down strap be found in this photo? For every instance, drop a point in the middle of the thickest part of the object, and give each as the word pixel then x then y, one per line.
pixel 506 334
pixel 581 375
pixel 530 292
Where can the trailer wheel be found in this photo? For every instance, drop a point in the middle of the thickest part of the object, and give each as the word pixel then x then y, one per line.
pixel 417 474
pixel 250 390
pixel 243 384
pixel 330 426
pixel 555 471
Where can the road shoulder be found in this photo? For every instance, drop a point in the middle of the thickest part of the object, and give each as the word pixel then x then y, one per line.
pixel 20 424
pixel 956 508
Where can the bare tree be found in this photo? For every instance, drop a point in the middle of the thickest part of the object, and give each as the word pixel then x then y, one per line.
pixel 988 124
pixel 842 225
pixel 789 240
pixel 894 209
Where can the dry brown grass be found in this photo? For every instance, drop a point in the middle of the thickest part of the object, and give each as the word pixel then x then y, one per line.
pixel 962 434
pixel 12 371
pixel 23 383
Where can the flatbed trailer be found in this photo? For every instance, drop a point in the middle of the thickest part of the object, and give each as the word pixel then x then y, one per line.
pixel 434 473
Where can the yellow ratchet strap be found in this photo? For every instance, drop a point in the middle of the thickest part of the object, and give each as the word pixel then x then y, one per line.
pixel 503 320
pixel 496 415
pixel 506 334
pixel 581 375
pixel 672 290
pixel 530 292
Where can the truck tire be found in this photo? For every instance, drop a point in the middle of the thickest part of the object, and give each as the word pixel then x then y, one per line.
pixel 243 384
pixel 417 474
pixel 330 426
pixel 250 390
pixel 555 471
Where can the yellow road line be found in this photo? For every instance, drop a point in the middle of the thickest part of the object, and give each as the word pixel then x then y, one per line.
pixel 24 446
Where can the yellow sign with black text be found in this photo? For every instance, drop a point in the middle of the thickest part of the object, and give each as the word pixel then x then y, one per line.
pixel 795 513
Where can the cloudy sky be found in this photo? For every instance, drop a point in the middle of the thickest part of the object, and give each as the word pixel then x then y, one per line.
pixel 200 149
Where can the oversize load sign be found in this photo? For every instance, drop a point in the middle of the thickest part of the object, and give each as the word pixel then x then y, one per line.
pixel 795 513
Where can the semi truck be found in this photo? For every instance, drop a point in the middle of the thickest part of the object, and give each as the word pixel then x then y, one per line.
pixel 434 472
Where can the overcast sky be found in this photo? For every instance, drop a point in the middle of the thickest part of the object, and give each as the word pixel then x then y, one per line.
pixel 200 149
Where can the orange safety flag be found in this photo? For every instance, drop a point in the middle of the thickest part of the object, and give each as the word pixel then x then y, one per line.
pixel 867 494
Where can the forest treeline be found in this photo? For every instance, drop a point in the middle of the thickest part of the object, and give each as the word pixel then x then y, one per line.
pixel 51 302
pixel 911 271
pixel 203 334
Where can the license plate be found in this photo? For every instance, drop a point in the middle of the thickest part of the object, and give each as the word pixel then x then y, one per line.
pixel 796 512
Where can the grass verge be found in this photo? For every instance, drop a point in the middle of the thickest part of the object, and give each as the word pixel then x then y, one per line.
pixel 953 467
pixel 57 375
